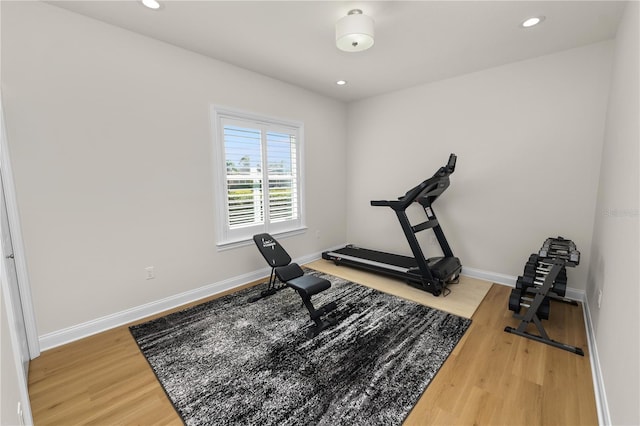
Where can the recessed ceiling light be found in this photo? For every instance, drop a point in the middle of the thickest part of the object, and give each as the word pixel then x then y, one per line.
pixel 532 22
pixel 151 4
pixel 341 82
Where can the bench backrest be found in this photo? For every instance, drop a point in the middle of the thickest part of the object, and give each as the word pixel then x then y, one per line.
pixel 271 250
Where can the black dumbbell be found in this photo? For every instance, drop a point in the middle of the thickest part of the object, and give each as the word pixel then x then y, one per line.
pixel 517 301
pixel 544 309
pixel 559 288
pixel 530 269
pixel 514 300
pixel 560 248
pixel 524 283
pixel 562 275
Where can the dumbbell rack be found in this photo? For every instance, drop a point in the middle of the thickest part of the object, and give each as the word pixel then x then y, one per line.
pixel 544 281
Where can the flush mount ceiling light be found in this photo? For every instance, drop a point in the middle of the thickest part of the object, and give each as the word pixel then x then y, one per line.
pixel 532 22
pixel 354 32
pixel 151 4
pixel 341 82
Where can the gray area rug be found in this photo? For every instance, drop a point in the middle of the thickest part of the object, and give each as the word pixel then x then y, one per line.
pixel 230 362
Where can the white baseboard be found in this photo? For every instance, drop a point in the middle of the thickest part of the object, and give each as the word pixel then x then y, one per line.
pixel 76 332
pixel 509 280
pixel 604 417
pixel 493 277
pixel 86 329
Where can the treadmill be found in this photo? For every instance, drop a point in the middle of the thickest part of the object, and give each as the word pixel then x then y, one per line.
pixel 431 274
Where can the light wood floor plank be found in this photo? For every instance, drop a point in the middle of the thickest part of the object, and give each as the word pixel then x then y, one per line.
pixel 491 377
pixel 463 299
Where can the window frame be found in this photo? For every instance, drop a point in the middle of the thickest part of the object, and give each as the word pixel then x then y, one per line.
pixel 225 236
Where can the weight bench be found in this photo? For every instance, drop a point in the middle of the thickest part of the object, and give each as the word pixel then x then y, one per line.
pixel 292 275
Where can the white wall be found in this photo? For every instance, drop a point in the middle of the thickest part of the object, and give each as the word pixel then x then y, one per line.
pixel 110 138
pixel 615 253
pixel 528 136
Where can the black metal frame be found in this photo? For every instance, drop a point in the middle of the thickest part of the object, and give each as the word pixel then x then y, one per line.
pixel 531 315
pixel 306 286
pixel 292 275
pixel 272 287
pixel 278 258
pixel 424 194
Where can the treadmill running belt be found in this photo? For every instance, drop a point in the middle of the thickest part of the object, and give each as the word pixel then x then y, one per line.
pixel 378 256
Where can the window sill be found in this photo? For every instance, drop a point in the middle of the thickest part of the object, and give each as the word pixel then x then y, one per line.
pixel 232 244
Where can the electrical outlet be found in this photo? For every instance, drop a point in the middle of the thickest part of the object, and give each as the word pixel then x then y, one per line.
pixel 599 298
pixel 150 272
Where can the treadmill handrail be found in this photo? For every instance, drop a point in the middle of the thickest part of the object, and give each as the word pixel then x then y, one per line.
pixel 420 190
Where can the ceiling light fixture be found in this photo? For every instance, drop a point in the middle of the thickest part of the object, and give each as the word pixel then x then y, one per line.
pixel 151 4
pixel 341 82
pixel 532 22
pixel 354 32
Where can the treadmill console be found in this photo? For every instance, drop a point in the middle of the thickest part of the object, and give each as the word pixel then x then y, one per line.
pixel 430 188
pixel 451 165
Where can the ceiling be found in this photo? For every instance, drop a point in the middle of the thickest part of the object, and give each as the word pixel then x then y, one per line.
pixel 416 42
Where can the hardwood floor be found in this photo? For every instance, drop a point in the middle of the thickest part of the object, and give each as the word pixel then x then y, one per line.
pixel 462 300
pixel 492 377
pixel 497 378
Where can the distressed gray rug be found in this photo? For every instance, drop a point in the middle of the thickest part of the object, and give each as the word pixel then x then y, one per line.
pixel 229 362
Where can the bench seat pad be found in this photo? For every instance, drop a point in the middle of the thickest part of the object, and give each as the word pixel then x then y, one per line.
pixel 309 284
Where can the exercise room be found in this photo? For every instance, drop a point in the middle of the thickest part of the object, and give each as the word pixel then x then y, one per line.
pixel 320 212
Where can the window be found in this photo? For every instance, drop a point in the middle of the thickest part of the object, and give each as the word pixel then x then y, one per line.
pixel 258 184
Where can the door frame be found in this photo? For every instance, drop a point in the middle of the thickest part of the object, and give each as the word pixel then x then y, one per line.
pixel 16 240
